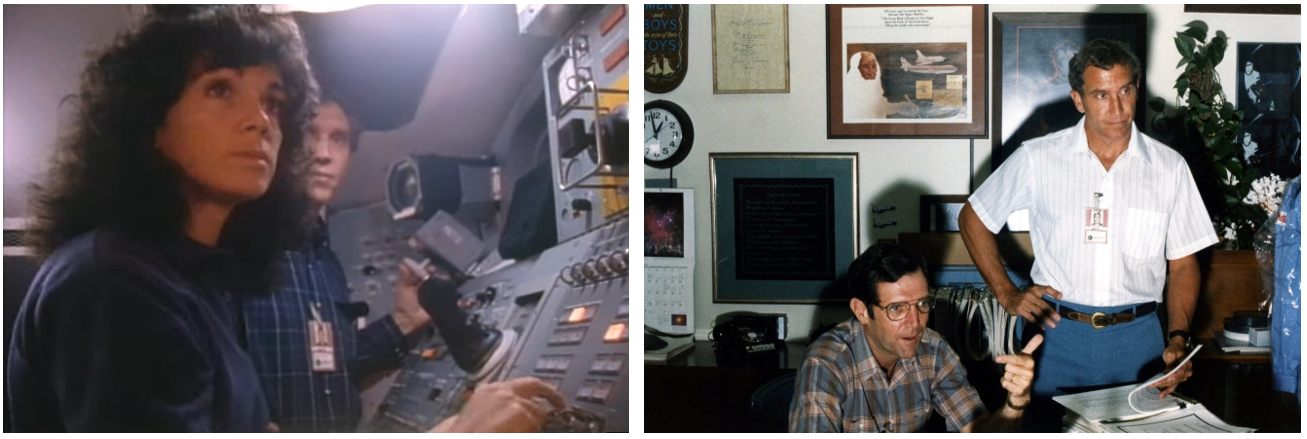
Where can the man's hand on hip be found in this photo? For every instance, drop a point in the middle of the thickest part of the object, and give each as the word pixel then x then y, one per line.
pixel 1030 304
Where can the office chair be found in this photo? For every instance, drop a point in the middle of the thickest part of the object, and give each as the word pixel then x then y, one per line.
pixel 769 407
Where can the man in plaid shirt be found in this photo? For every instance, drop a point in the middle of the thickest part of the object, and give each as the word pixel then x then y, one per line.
pixel 884 371
pixel 304 341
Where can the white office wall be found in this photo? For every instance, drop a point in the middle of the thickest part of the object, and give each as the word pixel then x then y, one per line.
pixel 891 172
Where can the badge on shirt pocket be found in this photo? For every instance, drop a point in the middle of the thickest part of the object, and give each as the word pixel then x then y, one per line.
pixel 1096 221
pixel 322 346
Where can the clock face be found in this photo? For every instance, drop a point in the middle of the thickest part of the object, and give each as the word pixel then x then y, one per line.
pixel 668 134
pixel 663 134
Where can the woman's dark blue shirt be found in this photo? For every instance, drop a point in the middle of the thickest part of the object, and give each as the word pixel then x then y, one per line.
pixel 118 335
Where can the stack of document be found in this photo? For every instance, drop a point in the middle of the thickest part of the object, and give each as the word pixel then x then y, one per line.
pixel 1139 409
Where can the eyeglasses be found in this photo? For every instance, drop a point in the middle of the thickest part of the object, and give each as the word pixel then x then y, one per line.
pixel 898 310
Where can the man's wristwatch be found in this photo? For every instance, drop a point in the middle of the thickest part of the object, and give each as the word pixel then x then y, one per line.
pixel 1188 341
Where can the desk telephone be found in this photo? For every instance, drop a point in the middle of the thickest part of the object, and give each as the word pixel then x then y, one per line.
pixel 748 332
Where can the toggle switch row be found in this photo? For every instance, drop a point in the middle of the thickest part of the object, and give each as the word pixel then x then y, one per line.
pixel 597 269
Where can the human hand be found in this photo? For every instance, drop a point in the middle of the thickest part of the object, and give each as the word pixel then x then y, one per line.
pixel 271 428
pixel 1019 372
pixel 1030 304
pixel 408 314
pixel 1175 351
pixel 505 407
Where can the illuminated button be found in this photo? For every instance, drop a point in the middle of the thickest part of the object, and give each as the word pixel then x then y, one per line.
pixel 580 314
pixel 617 332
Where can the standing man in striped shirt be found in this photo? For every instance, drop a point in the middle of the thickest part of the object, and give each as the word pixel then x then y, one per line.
pixel 1115 217
pixel 309 353
pixel 884 371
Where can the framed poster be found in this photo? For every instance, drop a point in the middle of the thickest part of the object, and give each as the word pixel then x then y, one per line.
pixel 906 71
pixel 1269 91
pixel 1290 9
pixel 666 56
pixel 750 49
pixel 669 225
pixel 785 226
pixel 1032 52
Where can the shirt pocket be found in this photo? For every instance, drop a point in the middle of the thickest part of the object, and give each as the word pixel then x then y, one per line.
pixel 1145 233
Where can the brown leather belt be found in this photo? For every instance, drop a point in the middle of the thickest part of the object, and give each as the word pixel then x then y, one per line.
pixel 1100 320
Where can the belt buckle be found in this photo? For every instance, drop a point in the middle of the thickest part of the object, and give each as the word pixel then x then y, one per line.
pixel 1100 320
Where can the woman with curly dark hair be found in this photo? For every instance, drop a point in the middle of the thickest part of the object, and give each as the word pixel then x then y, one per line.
pixel 169 199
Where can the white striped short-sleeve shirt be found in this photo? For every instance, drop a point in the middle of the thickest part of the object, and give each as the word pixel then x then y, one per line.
pixel 1153 214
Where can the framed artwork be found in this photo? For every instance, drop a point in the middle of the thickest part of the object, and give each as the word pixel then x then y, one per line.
pixel 666 56
pixel 1269 91
pixel 669 225
pixel 939 213
pixel 785 226
pixel 1288 9
pixel 901 71
pixel 1032 53
pixel 750 49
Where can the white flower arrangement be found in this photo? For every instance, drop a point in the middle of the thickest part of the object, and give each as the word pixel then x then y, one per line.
pixel 1266 193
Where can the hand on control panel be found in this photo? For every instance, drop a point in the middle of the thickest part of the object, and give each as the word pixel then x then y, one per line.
pixel 408 314
pixel 511 406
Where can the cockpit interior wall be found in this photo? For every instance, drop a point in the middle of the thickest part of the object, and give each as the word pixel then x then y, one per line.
pixel 551 304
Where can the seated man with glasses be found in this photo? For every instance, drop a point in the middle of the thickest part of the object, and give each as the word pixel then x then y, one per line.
pixel 884 371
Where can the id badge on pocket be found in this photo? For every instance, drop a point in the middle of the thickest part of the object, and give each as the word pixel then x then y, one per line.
pixel 322 347
pixel 1096 225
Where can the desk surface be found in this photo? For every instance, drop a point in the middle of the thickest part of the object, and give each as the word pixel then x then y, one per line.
pixel 700 392
pixel 1213 353
pixel 702 355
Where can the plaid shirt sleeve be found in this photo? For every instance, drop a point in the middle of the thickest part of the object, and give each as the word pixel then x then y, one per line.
pixel 954 397
pixel 818 385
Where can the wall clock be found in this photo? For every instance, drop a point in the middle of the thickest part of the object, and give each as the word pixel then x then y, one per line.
pixel 668 134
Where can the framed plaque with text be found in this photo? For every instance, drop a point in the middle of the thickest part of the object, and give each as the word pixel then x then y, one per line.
pixel 785 226
pixel 750 49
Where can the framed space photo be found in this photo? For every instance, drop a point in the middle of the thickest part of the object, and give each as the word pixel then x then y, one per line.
pixel 1032 52
pixel 899 71
pixel 669 225
pixel 1269 89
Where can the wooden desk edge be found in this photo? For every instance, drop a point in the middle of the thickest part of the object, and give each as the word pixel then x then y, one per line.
pixel 1213 353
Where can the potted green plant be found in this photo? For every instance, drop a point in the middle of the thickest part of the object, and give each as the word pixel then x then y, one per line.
pixel 1203 128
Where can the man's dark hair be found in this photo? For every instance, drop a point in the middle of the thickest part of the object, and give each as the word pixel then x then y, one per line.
pixel 882 263
pixel 1104 54
pixel 107 171
pixel 347 107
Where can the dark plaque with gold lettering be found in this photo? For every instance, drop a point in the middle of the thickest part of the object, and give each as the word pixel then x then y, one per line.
pixel 666 56
pixel 785 228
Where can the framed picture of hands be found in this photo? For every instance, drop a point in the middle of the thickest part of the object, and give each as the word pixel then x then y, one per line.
pixel 906 71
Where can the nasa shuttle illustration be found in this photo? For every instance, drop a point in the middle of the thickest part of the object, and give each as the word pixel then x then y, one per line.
pixel 934 69
pixel 923 59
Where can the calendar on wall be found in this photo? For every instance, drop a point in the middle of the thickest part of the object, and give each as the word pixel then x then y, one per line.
pixel 669 260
